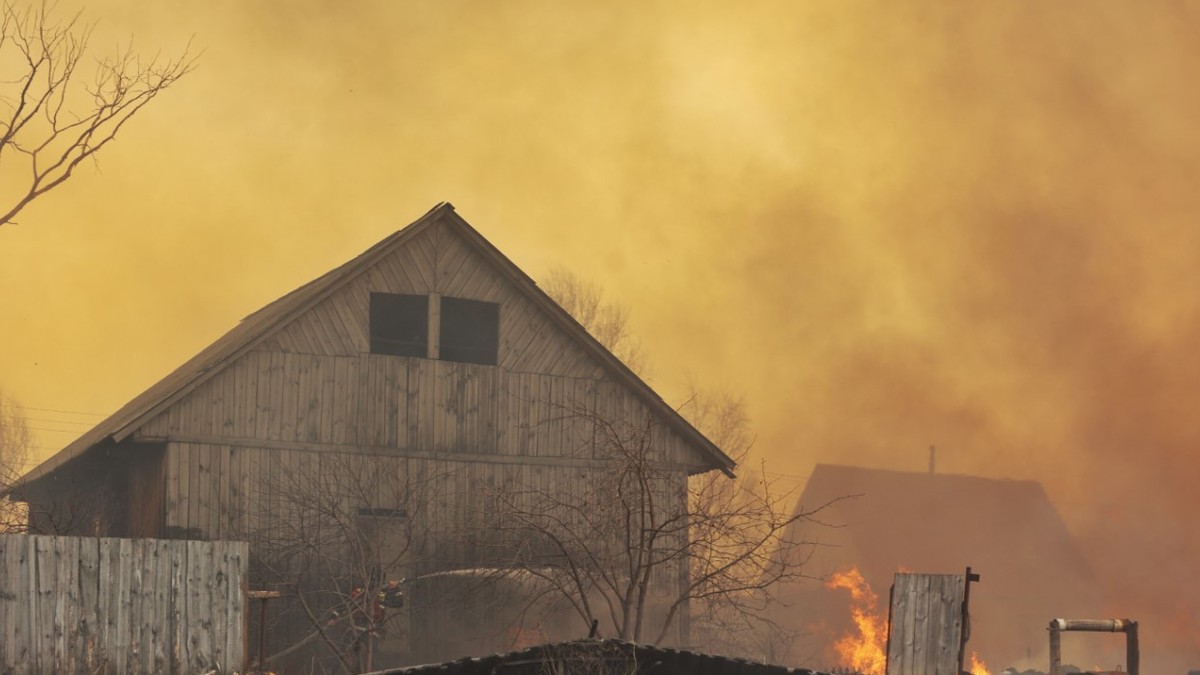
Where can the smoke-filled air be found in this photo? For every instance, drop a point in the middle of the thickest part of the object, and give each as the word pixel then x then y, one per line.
pixel 885 225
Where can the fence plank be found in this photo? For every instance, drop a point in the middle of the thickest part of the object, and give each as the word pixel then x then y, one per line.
pixel 89 600
pixel 120 560
pixel 66 606
pixel 175 624
pixel 43 630
pixel 10 560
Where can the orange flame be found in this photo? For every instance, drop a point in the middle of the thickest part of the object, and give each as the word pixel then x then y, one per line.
pixel 861 650
pixel 978 666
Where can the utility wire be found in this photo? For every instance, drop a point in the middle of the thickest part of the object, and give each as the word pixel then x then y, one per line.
pixel 67 412
pixel 52 421
pixel 31 428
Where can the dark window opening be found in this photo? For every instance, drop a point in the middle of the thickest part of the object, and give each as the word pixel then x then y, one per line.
pixel 470 331
pixel 399 324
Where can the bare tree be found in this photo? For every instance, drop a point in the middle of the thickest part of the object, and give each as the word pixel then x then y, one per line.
pixel 336 534
pixel 736 548
pixel 738 621
pixel 53 115
pixel 16 444
pixel 607 321
pixel 634 550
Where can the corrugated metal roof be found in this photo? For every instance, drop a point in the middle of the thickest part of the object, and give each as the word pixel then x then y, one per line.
pixel 599 657
pixel 261 324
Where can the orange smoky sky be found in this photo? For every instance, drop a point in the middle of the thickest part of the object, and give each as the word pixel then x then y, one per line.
pixel 886 225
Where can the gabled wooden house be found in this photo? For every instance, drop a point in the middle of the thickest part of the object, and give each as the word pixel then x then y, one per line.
pixel 431 354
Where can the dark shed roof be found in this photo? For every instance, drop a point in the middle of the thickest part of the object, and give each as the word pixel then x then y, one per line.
pixel 599 657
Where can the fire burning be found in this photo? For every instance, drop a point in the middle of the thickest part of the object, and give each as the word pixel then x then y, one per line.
pixel 863 649
pixel 977 666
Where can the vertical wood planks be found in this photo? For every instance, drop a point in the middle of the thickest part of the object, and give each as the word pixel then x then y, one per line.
pixel 926 624
pixel 86 605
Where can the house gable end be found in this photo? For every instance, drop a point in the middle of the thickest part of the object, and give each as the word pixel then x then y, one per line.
pixel 312 379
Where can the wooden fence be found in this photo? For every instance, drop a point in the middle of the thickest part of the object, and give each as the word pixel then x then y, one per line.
pixel 97 605
pixel 925 622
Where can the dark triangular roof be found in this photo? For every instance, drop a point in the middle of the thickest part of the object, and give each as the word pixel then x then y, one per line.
pixel 262 324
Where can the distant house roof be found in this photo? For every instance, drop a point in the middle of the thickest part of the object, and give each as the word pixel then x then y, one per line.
pixel 1006 530
pixel 927 521
pixel 599 657
pixel 261 324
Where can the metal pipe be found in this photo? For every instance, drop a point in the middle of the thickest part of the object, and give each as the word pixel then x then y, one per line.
pixel 1132 655
pixel 1126 626
pixel 1094 625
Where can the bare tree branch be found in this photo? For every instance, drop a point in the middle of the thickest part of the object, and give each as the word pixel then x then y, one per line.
pixel 334 533
pixel 633 548
pixel 607 321
pixel 52 119
pixel 16 447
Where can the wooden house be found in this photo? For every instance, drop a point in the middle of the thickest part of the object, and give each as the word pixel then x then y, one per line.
pixel 430 355
pixel 1008 531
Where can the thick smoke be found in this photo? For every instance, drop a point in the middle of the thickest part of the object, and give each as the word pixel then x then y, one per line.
pixel 889 224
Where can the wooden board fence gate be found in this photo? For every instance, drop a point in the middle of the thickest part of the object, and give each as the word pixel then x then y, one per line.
pixel 927 623
pixel 96 605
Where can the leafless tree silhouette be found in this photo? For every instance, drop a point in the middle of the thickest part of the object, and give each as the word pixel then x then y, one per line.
pixel 633 549
pixel 53 114
pixel 16 443
pixel 607 321
pixel 336 534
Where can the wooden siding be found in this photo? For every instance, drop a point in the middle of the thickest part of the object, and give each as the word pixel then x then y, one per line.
pixel 227 492
pixel 438 261
pixel 374 403
pixel 925 624
pixel 205 490
pixel 91 605
pixel 146 491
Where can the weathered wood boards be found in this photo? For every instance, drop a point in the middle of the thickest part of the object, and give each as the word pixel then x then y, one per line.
pixel 88 605
pixel 926 624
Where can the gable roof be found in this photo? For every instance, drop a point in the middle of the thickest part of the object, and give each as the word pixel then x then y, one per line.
pixel 261 324
pixel 924 521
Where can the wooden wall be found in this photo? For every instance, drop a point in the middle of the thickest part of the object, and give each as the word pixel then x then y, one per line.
pixel 89 605
pixel 232 492
pixel 371 402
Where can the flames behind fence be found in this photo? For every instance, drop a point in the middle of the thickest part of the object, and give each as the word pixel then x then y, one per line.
pixel 862 649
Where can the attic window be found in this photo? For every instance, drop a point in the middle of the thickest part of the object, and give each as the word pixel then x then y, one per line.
pixel 399 324
pixel 470 331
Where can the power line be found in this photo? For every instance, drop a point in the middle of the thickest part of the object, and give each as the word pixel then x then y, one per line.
pixel 67 412
pixel 24 426
pixel 43 419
